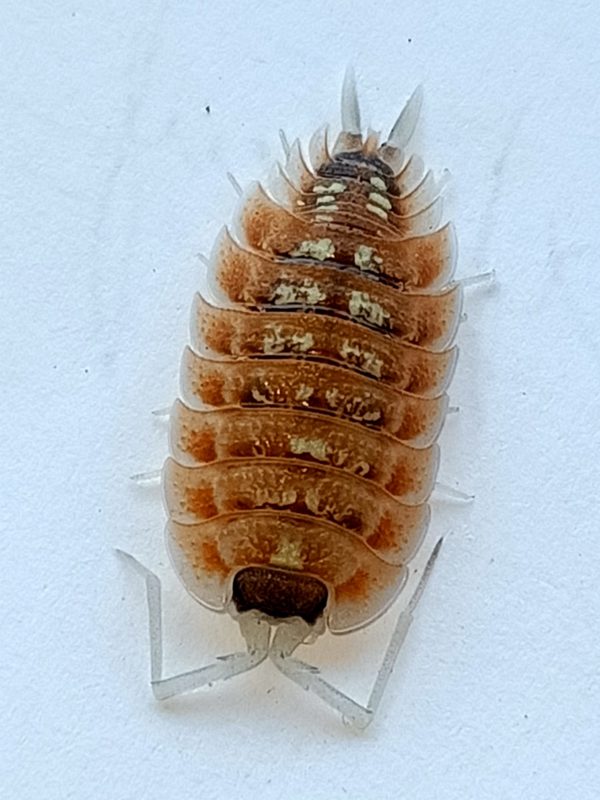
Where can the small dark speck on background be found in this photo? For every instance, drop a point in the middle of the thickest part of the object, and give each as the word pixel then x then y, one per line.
pixel 207 109
pixel 409 41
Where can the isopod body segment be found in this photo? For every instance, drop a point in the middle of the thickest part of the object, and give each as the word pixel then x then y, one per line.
pixel 304 448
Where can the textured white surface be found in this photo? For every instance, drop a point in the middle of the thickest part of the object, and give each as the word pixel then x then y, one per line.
pixel 113 178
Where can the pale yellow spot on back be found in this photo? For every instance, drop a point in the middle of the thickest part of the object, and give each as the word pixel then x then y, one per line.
pixel 304 392
pixel 362 358
pixel 316 448
pixel 356 407
pixel 334 188
pixel 275 341
pixel 361 305
pixel 378 183
pixel 380 200
pixel 307 292
pixel 315 248
pixel 275 497
pixel 259 396
pixel 379 212
pixel 365 258
pixel 288 554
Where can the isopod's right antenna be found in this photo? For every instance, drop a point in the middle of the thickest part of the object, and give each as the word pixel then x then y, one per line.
pixel 405 125
pixel 288 637
pixel 350 108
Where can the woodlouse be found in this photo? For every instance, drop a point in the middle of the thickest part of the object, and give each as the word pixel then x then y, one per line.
pixel 304 455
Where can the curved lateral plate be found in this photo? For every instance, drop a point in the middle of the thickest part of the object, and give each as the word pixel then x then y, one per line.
pixel 202 437
pixel 390 528
pixel 314 386
pixel 207 556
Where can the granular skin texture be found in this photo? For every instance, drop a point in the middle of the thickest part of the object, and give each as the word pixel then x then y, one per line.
pixel 304 451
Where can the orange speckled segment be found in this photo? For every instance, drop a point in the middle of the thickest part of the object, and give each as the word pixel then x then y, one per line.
pixel 353 215
pixel 236 333
pixel 249 278
pixel 415 213
pixel 314 398
pixel 199 437
pixel 417 263
pixel 316 386
pixel 426 320
pixel 208 554
pixel 409 191
pixel 391 529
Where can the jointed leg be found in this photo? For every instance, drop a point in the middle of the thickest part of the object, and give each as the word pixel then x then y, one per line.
pixel 450 493
pixel 481 277
pixel 255 631
pixel 288 637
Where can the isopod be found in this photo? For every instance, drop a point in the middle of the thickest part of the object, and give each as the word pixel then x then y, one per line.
pixel 304 453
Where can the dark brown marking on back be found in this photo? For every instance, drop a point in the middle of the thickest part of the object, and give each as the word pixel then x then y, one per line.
pixel 280 594
pixel 357 165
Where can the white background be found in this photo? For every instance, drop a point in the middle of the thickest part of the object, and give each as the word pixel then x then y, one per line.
pixel 113 179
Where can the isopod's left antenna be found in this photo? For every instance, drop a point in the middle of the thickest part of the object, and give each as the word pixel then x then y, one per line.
pixel 256 632
pixel 289 636
pixel 350 108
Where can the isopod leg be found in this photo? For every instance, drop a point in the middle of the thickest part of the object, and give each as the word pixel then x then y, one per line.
pixel 399 634
pixel 481 277
pixel 442 490
pixel 288 637
pixel 236 186
pixel 309 679
pixel 151 477
pixel 255 631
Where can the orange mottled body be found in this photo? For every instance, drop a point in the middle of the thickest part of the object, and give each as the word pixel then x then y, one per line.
pixel 315 390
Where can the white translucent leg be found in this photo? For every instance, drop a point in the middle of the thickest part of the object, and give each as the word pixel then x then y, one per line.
pixel 289 636
pixel 482 277
pixel 285 145
pixel 147 478
pixel 236 186
pixel 452 494
pixel 256 632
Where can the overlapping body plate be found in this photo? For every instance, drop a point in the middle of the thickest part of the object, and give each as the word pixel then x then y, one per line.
pixel 315 387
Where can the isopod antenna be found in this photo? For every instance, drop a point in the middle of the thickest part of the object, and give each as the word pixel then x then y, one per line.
pixel 289 636
pixel 255 631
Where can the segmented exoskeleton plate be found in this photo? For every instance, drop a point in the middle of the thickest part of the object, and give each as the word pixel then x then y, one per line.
pixel 304 453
